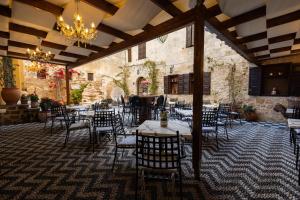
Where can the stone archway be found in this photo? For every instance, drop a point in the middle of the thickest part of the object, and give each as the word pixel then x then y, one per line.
pixel 140 87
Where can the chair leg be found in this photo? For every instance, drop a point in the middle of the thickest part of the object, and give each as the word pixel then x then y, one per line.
pixel 136 182
pixel 67 137
pixel 180 182
pixel 226 131
pixel 291 140
pixel 239 116
pixel 52 124
pixel 217 140
pixel 46 120
pixel 297 157
pixel 113 166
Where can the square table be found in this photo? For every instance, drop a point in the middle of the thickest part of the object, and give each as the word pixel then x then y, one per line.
pixel 153 128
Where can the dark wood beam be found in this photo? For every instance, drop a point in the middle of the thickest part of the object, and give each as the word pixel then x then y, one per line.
pixel 281 59
pixel 295 51
pixel 113 31
pixel 20 44
pixel 5 11
pixel 288 48
pixel 103 5
pixel 198 88
pixel 89 46
pixel 147 27
pixel 62 61
pixel 53 45
pixel 11 53
pixel 262 56
pixel 4 34
pixel 44 5
pixel 73 55
pixel 159 30
pixel 5 48
pixel 233 33
pixel 213 11
pixel 254 37
pixel 282 38
pixel 245 17
pixel 283 19
pixel 168 6
pixel 257 49
pixel 297 41
pixel 27 30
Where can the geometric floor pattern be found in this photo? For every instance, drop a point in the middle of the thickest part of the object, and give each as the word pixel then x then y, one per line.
pixel 257 162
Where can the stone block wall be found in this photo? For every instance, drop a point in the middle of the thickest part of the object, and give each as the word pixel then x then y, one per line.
pixel 17 114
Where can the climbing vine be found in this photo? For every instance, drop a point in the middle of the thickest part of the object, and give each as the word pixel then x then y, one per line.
pixel 121 79
pixel 153 72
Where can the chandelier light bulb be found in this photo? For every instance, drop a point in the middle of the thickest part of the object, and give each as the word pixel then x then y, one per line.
pixel 92 25
pixel 61 19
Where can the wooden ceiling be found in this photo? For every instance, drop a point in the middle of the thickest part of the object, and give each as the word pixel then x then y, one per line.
pixel 255 31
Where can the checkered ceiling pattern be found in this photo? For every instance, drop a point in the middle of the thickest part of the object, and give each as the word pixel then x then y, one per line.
pixel 258 29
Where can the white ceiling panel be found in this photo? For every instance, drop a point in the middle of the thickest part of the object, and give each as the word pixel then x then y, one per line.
pixel 89 13
pixel 281 44
pixel 78 50
pixel 160 18
pixel 260 53
pixel 257 43
pixel 296 46
pixel 3 41
pixel 17 49
pixel 4 23
pixel 135 14
pixel 233 8
pixel 277 8
pixel 246 29
pixel 25 38
pixel 103 39
pixel 56 37
pixel 65 58
pixel 53 51
pixel 291 27
pixel 32 15
pixel 284 53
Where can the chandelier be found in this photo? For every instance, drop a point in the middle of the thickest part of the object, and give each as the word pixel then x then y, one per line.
pixel 39 55
pixel 77 33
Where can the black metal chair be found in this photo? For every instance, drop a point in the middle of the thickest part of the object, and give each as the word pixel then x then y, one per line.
pixel 158 106
pixel 122 140
pixel 209 123
pixel 72 125
pixel 55 115
pixel 161 154
pixel 295 133
pixel 135 109
pixel 103 123
pixel 125 109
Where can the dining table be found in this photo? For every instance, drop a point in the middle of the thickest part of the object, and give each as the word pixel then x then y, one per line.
pixel 293 123
pixel 153 128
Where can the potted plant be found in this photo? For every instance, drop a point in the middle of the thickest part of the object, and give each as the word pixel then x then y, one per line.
pixel 45 104
pixel 34 100
pixel 24 99
pixel 249 113
pixel 10 94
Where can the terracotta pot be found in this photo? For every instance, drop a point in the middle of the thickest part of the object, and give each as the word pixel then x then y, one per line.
pixel 10 96
pixel 34 104
pixel 251 116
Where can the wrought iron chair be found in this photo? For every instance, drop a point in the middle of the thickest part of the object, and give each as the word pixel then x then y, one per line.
pixel 55 115
pixel 161 154
pixel 72 125
pixel 209 123
pixel 122 140
pixel 158 105
pixel 125 109
pixel 103 123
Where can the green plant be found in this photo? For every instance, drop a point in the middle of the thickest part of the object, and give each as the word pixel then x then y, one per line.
pixel 7 68
pixel 76 94
pixel 152 76
pixel 122 79
pixel 248 109
pixel 34 97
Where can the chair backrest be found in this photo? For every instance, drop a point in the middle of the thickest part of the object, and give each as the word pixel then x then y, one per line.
pixel 160 101
pixel 118 126
pixel 96 106
pixel 158 152
pixel 103 118
pixel 209 118
pixel 122 100
pixel 66 116
pixel 296 113
pixel 56 110
pixel 224 108
pixel 135 101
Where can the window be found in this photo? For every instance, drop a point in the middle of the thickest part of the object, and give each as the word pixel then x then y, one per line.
pixel 90 76
pixel 129 55
pixel 142 51
pixel 189 36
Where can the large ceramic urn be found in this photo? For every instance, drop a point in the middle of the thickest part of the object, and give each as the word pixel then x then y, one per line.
pixel 10 96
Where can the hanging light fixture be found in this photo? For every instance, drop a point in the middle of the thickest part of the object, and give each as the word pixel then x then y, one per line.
pixel 77 33
pixel 39 55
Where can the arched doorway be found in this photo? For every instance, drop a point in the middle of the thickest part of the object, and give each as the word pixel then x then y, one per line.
pixel 141 86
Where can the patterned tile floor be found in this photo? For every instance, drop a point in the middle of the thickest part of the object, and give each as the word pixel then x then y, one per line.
pixel 256 162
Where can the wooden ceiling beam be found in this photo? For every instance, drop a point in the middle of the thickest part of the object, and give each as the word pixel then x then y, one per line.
pixel 276 21
pixel 161 29
pixel 11 53
pixel 214 11
pixel 73 55
pixel 168 6
pixel 20 44
pixel 282 38
pixel 103 5
pixel 113 31
pixel 257 49
pixel 44 5
pixel 253 37
pixel 4 34
pixel 53 45
pixel 89 47
pixel 24 57
pixel 5 48
pixel 281 49
pixel 262 56
pixel 27 30
pixel 245 17
pixel 5 11
pixel 297 41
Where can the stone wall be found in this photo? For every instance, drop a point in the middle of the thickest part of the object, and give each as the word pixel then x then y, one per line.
pixel 18 114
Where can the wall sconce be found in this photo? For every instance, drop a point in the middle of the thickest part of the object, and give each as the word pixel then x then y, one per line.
pixel 171 69
pixel 271 74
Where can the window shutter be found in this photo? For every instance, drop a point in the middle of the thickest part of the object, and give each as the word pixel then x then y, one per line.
pixel 186 83
pixel 190 36
pixel 206 83
pixel 142 51
pixel 129 55
pixel 180 84
pixel 90 76
pixel 255 81
pixel 166 85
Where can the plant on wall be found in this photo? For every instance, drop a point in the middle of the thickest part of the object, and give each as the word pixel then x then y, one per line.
pixel 76 94
pixel 152 76
pixel 7 68
pixel 235 84
pixel 122 79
